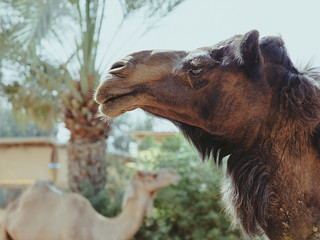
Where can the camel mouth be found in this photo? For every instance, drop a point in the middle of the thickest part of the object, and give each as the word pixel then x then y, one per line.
pixel 116 105
pixel 115 98
pixel 118 99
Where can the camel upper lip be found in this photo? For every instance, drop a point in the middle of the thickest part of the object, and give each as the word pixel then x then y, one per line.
pixel 111 89
pixel 107 98
pixel 115 97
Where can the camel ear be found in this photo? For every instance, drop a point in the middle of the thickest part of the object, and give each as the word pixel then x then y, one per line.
pixel 250 58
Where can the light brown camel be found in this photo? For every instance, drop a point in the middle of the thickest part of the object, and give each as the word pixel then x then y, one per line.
pixel 241 98
pixel 43 213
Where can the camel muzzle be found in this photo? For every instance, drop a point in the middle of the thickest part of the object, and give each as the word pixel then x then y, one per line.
pixel 113 86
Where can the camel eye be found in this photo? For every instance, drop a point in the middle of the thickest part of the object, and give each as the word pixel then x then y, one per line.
pixel 195 72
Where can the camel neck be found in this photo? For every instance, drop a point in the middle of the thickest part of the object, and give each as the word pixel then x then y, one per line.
pixel 127 223
pixel 294 165
pixel 277 185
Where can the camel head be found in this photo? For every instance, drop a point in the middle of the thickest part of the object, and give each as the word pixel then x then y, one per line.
pixel 150 183
pixel 154 181
pixel 242 98
pixel 213 88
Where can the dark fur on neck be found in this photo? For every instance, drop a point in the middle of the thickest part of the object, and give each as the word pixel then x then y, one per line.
pixel 250 188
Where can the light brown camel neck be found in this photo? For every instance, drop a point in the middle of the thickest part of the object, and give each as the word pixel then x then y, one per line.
pixel 130 219
pixel 73 215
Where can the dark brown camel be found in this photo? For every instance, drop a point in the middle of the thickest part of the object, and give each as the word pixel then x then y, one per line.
pixel 241 98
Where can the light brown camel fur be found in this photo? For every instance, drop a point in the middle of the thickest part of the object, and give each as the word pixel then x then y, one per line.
pixel 242 98
pixel 42 212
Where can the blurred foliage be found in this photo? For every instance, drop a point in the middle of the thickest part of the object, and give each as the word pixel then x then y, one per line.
pixel 107 202
pixel 52 56
pixel 147 143
pixel 146 125
pixel 51 50
pixel 119 139
pixel 189 211
pixel 12 126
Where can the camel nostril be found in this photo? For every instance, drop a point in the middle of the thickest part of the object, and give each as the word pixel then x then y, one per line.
pixel 120 68
pixel 117 65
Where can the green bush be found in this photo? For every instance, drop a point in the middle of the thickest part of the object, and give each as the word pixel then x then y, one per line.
pixel 106 202
pixel 190 210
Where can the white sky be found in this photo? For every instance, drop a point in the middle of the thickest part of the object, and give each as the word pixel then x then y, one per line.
pixel 197 23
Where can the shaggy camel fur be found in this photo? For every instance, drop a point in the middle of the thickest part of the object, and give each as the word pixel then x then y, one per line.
pixel 241 98
pixel 43 213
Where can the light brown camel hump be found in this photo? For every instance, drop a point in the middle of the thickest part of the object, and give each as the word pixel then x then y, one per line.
pixel 241 98
pixel 43 213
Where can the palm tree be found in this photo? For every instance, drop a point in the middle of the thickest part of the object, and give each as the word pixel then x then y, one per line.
pixel 53 53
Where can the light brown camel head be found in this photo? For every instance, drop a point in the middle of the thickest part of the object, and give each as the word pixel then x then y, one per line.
pixel 182 86
pixel 150 183
pixel 154 181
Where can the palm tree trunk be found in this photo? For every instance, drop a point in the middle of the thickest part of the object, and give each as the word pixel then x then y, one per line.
pixel 87 143
pixel 87 164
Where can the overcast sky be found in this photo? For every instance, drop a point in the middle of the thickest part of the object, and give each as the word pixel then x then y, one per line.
pixel 198 23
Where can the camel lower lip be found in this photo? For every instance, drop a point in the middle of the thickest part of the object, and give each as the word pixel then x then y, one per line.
pixel 117 105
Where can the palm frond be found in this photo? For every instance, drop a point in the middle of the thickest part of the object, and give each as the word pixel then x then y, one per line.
pixel 54 55
pixel 37 20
